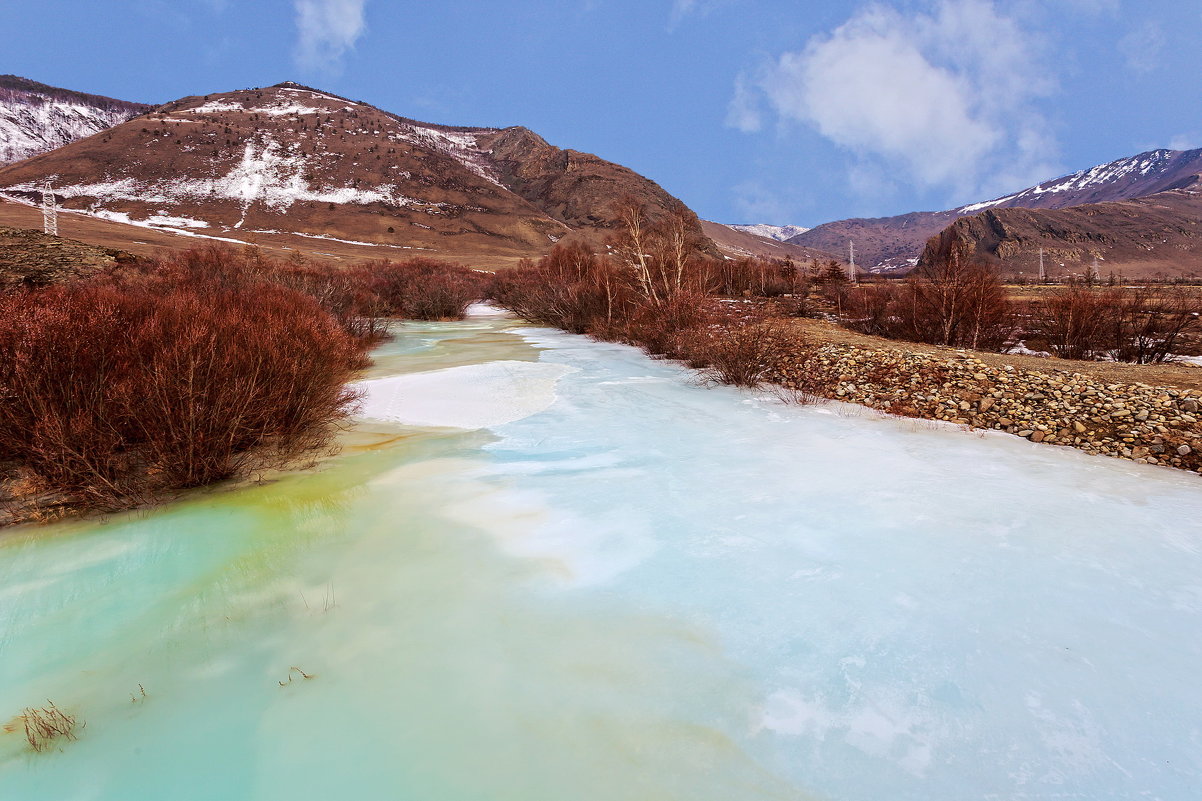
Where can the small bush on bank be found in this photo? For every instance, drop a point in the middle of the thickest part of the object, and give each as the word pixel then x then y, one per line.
pixel 743 355
pixel 423 289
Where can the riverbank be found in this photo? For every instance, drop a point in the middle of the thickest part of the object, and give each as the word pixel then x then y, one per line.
pixel 1106 409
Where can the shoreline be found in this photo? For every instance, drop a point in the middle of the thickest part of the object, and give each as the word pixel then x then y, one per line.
pixel 1147 424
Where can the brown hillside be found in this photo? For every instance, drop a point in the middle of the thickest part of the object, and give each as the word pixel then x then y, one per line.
pixel 292 160
pixel 892 244
pixel 1153 237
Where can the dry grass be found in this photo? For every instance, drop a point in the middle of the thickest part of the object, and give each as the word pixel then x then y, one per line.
pixel 46 725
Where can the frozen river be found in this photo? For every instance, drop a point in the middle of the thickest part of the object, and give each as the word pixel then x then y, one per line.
pixel 549 568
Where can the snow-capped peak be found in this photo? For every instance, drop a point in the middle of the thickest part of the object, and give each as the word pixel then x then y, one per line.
pixel 781 233
pixel 1123 171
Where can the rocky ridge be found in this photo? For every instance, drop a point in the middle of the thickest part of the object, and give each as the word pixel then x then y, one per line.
pixel 31 258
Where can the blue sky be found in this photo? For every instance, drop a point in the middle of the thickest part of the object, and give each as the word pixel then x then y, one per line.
pixel 748 110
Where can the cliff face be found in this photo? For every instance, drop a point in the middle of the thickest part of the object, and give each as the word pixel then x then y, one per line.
pixel 577 189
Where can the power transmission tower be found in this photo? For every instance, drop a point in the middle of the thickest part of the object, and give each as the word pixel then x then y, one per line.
pixel 1043 271
pixel 1095 275
pixel 49 211
pixel 851 267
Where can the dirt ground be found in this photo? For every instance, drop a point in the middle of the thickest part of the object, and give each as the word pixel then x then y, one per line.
pixel 143 241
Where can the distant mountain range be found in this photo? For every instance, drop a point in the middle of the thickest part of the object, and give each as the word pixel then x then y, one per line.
pixel 1155 236
pixel 781 233
pixel 894 244
pixel 290 167
pixel 36 118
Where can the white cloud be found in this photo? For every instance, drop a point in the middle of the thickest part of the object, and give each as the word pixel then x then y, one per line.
pixel 326 29
pixel 1094 6
pixel 1186 141
pixel 743 112
pixel 943 98
pixel 1142 47
pixel 685 8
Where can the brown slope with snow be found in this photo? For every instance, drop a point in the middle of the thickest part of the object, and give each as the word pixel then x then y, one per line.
pixel 1159 236
pixel 890 244
pixel 36 118
pixel 292 160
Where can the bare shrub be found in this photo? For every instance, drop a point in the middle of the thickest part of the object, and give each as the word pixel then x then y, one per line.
pixel 1132 324
pixel 669 328
pixel 955 301
pixel 571 288
pixel 113 393
pixel 756 277
pixel 424 289
pixel 744 355
pixel 45 725
pixel 345 295
pixel 1073 322
pixel 1147 324
pixel 661 253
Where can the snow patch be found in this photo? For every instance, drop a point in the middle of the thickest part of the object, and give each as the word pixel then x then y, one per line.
pixel 463 146
pixel 267 173
pixel 470 397
pixel 780 233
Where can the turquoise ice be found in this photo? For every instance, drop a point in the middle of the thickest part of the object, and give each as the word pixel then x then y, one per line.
pixel 641 589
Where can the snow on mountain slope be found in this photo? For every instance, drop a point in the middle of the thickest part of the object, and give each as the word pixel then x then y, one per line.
pixel 293 160
pixel 892 244
pixel 781 233
pixel 35 118
pixel 1137 176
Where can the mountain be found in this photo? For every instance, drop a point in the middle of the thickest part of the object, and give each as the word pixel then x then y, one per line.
pixel 36 118
pixel 289 160
pixel 888 244
pixel 736 243
pixel 781 233
pixel 1156 236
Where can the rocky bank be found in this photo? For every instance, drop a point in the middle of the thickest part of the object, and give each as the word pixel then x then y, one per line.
pixel 1147 424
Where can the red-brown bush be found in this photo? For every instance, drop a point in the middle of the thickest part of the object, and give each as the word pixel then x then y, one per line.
pixel 744 354
pixel 111 393
pixel 570 288
pixel 956 301
pixel 1130 324
pixel 759 277
pixel 424 289
pixel 670 327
